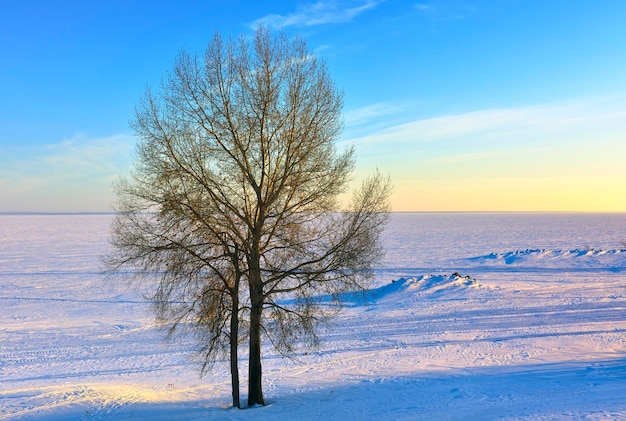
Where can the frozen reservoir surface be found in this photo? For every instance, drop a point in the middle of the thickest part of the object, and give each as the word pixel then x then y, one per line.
pixel 473 316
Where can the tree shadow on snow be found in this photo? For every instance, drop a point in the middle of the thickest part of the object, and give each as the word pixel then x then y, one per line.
pixel 570 390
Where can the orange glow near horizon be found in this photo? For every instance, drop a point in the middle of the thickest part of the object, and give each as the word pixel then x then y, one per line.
pixel 523 195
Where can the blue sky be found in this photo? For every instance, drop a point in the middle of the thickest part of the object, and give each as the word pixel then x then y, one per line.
pixel 468 105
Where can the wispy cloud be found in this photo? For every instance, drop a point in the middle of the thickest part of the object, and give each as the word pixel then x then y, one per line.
pixel 423 7
pixel 318 13
pixel 501 121
pixel 446 11
pixel 75 174
pixel 370 112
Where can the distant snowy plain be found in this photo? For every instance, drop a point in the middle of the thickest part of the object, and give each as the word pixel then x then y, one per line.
pixel 473 316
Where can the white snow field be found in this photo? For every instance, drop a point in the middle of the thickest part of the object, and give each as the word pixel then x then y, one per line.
pixel 474 316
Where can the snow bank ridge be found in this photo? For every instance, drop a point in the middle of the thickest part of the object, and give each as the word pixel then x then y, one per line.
pixel 426 284
pixel 436 283
pixel 405 287
pixel 583 257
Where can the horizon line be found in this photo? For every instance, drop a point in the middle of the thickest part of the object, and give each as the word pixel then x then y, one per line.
pixel 87 213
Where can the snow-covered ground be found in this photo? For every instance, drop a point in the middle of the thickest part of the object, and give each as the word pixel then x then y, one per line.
pixel 473 316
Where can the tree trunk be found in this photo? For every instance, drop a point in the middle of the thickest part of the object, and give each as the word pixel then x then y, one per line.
pixel 234 337
pixel 255 285
pixel 255 391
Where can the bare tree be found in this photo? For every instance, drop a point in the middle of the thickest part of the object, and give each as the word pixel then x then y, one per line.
pixel 237 183
pixel 196 269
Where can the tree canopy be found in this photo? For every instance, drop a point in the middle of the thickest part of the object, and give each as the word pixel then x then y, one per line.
pixel 232 211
